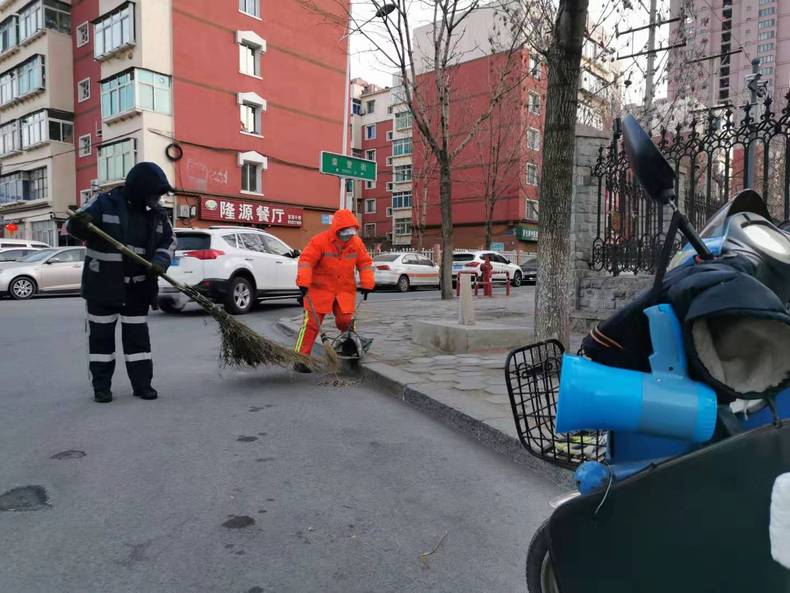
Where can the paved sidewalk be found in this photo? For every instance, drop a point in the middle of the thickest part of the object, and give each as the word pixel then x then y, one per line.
pixel 465 390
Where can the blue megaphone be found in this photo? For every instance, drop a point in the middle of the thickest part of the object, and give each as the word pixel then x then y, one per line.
pixel 663 403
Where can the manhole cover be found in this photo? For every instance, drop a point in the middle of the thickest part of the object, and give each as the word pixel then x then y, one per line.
pixel 68 455
pixel 24 498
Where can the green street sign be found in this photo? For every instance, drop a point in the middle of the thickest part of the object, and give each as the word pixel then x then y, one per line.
pixel 526 234
pixel 343 165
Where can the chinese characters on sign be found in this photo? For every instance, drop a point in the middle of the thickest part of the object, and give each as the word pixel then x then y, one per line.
pixel 232 210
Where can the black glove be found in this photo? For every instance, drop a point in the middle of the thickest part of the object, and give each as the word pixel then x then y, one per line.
pixel 303 290
pixel 365 292
pixel 79 222
pixel 156 269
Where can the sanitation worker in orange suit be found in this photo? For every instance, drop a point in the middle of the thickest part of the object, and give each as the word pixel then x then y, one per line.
pixel 326 278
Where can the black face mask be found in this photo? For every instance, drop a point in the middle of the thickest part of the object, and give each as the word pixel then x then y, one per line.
pixel 152 201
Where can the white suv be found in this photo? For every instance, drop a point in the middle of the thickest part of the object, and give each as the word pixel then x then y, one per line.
pixel 233 266
pixel 470 261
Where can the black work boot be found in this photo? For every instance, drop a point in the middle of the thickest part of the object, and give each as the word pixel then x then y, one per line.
pixel 146 393
pixel 102 397
pixel 301 367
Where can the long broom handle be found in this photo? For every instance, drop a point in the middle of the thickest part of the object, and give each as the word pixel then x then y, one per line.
pixel 129 253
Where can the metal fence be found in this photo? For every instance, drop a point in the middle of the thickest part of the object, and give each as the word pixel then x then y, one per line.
pixel 517 257
pixel 712 157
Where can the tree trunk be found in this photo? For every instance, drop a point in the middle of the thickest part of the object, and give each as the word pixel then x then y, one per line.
pixel 552 301
pixel 489 225
pixel 445 205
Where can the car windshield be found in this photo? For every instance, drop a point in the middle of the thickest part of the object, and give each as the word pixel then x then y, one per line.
pixel 387 257
pixel 39 255
pixel 463 256
pixel 531 264
pixel 193 241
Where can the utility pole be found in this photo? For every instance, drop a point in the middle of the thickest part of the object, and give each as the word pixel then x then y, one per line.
pixel 756 90
pixel 650 74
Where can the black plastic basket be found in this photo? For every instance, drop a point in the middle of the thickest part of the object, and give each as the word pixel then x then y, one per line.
pixel 533 381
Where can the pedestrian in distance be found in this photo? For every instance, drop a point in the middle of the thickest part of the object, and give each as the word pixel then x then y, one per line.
pixel 115 286
pixel 327 281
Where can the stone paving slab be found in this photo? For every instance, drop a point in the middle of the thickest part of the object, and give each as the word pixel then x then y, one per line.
pixel 467 391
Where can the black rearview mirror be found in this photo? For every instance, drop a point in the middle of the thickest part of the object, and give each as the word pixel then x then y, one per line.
pixel 296 253
pixel 651 168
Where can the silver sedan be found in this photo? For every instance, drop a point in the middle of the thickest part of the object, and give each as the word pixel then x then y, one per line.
pixel 46 271
pixel 405 270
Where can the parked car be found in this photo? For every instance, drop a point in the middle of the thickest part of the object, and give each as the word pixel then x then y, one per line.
pixel 529 271
pixel 405 271
pixel 233 266
pixel 470 261
pixel 20 243
pixel 15 254
pixel 46 271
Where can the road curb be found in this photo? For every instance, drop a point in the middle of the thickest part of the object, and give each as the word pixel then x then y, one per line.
pixel 408 389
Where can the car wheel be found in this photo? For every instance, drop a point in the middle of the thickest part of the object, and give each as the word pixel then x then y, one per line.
pixel 169 307
pixel 22 288
pixel 540 568
pixel 403 284
pixel 239 299
pixel 300 301
pixel 516 282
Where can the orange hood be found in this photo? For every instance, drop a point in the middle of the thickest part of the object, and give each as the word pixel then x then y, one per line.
pixel 344 219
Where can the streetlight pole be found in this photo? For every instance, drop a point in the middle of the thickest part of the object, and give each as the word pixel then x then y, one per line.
pixel 753 83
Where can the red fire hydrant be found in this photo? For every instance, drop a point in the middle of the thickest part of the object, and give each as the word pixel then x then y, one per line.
pixel 486 277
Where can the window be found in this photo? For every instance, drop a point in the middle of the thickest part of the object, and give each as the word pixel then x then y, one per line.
pixel 34 129
pixel 349 185
pixel 64 257
pixel 116 159
pixel 766 35
pixel 370 206
pixel 8 34
pixel 14 187
pixel 763 2
pixel 251 177
pixel 767 71
pixel 765 47
pixel 401 173
pixel 47 232
pixel 403 227
pixel 9 138
pixel 253 242
pixel 83 34
pixel 370 132
pixel 401 147
pixel 30 20
pixel 138 88
pixel 83 90
pixel 57 16
pixel 766 59
pixel 250 118
pixel 61 130
pixel 767 11
pixel 38 183
pixel 370 185
pixel 114 31
pixel 249 59
pixel 356 107
pixel 276 246
pixel 85 196
pixel 26 78
pixel 534 103
pixel 369 230
pixel 724 94
pixel 532 210
pixel 401 199
pixel 370 106
pixel 532 174
pixel 250 7
pixel 534 67
pixel 766 24
pixel 370 155
pixel 533 139
pixel 403 120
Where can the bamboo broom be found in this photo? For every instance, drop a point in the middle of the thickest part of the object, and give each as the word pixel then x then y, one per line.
pixel 241 347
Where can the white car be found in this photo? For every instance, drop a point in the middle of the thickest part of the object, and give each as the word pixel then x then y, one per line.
pixel 21 244
pixel 405 271
pixel 470 261
pixel 233 266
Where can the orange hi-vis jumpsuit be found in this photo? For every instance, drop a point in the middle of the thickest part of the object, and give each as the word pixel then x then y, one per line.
pixel 326 269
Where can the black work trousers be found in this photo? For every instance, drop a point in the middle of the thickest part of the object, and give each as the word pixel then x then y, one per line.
pixel 134 337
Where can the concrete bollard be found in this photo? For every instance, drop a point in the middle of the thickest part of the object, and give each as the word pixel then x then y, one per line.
pixel 466 310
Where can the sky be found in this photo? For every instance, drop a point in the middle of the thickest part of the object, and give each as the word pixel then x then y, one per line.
pixel 367 63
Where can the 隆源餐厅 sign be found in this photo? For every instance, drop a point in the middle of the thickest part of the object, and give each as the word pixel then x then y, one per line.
pixel 242 211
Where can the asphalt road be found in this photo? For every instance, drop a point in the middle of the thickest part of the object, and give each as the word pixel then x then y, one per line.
pixel 238 482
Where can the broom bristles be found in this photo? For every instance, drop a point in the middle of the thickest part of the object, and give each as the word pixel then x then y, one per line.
pixel 242 347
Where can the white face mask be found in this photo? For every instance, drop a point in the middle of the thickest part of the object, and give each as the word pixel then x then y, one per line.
pixel 346 234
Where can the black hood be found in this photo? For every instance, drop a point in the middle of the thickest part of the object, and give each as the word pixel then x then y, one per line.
pixel 146 179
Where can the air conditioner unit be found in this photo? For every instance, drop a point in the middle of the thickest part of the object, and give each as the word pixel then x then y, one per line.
pixel 389 135
pixel 389 161
pixel 183 210
pixel 389 185
pixel 389 212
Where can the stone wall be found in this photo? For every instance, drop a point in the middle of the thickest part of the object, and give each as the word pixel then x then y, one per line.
pixel 598 296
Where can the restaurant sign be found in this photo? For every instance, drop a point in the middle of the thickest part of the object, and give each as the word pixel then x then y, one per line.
pixel 249 212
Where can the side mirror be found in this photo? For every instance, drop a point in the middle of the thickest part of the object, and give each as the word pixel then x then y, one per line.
pixel 296 253
pixel 49 262
pixel 651 168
